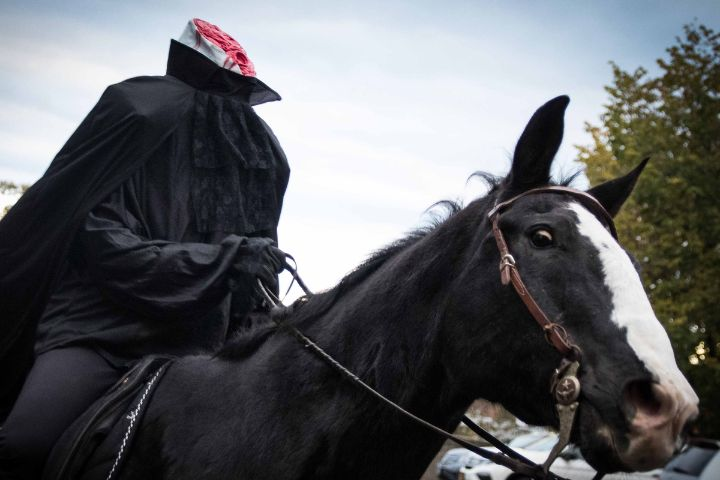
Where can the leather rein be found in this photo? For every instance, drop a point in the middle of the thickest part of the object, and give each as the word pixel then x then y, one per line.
pixel 565 386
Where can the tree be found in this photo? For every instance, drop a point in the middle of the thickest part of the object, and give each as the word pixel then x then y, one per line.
pixel 672 222
pixel 10 188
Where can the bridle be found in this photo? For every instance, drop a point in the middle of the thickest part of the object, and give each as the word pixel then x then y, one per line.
pixel 565 386
pixel 555 333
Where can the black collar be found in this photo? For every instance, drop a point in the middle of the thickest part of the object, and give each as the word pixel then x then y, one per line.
pixel 198 71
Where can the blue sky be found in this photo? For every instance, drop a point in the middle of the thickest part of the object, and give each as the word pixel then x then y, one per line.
pixel 387 106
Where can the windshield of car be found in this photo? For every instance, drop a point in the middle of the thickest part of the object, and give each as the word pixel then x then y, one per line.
pixel 455 455
pixel 544 444
pixel 524 440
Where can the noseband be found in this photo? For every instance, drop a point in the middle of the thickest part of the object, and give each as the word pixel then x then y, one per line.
pixel 564 386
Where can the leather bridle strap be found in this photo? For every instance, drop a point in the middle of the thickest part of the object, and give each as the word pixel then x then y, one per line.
pixel 565 386
pixel 566 397
pixel 587 200
pixel 554 332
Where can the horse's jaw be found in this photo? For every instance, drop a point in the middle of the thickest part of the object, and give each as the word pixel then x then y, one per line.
pixel 645 443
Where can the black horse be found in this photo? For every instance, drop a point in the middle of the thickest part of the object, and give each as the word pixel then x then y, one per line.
pixel 427 322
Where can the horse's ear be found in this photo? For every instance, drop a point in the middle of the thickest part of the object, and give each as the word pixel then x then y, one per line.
pixel 537 146
pixel 613 193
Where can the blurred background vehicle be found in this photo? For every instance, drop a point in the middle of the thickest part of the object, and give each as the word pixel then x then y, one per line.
pixel 449 466
pixel 451 463
pixel 536 446
pixel 698 461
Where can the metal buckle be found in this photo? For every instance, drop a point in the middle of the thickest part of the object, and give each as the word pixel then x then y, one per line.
pixel 551 328
pixel 506 261
pixel 565 390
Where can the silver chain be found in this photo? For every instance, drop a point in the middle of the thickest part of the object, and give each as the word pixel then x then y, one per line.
pixel 132 416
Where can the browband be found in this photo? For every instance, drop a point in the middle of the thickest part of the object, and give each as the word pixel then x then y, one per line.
pixel 587 200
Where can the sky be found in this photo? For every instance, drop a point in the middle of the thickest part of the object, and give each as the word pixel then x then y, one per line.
pixel 388 107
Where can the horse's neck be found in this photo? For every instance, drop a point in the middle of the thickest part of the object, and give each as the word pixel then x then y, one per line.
pixel 385 329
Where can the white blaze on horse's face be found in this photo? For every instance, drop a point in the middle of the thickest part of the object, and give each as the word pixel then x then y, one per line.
pixel 631 312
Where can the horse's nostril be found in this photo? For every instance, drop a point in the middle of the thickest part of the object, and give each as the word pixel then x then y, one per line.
pixel 645 397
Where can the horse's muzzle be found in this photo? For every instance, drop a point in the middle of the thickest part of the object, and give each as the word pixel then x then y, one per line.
pixel 657 415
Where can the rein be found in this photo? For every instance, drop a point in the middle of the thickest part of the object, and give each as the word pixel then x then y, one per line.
pixel 509 458
pixel 565 386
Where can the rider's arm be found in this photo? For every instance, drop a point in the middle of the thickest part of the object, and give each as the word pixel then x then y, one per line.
pixel 159 277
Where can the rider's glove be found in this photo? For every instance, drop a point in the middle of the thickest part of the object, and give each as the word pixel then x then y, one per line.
pixel 259 258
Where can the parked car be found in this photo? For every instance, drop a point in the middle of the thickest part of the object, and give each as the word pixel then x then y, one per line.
pixel 699 461
pixel 570 464
pixel 448 468
pixel 451 463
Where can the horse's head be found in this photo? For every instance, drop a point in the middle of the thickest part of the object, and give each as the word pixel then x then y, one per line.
pixel 634 401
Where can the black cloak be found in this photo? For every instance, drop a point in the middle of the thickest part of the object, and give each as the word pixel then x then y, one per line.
pixel 198 112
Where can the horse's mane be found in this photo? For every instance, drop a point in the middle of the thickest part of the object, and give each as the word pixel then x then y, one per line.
pixel 248 340
pixel 438 213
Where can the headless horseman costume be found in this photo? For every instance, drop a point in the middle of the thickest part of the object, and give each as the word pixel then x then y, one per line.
pixel 149 226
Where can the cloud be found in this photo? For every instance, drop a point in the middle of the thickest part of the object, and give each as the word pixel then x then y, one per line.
pixel 388 107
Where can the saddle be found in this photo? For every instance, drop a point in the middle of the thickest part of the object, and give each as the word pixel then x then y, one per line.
pixel 111 422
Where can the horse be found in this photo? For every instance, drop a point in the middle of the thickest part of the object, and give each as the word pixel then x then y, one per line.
pixel 428 322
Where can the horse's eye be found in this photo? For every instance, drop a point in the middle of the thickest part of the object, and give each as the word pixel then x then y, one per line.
pixel 541 238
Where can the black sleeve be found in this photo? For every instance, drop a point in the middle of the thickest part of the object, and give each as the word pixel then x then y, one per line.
pixel 153 277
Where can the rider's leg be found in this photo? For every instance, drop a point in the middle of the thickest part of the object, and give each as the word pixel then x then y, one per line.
pixel 60 386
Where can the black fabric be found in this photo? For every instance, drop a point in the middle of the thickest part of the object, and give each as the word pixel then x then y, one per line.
pixel 78 452
pixel 128 294
pixel 140 130
pixel 261 260
pixel 60 386
pixel 234 153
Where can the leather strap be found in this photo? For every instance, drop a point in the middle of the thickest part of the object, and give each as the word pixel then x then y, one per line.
pixel 555 333
pixel 587 200
pixel 506 456
pixel 515 462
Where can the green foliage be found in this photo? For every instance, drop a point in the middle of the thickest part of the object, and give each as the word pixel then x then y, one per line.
pixel 10 188
pixel 672 222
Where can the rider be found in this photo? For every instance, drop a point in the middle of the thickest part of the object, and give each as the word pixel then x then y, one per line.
pixel 145 236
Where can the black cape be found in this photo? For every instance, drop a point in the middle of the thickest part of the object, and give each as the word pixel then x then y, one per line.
pixel 130 123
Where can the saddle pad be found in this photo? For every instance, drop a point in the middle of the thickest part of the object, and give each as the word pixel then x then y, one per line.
pixel 111 415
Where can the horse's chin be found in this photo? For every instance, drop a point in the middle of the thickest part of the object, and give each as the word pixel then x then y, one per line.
pixel 599 443
pixel 600 450
pixel 609 449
